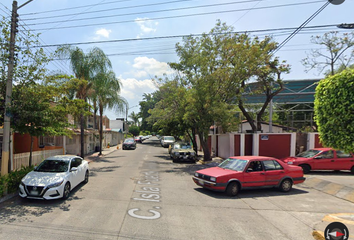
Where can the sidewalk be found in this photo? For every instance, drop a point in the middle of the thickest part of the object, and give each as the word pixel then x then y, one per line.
pixel 94 156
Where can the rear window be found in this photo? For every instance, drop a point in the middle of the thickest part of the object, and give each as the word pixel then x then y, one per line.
pixel 341 154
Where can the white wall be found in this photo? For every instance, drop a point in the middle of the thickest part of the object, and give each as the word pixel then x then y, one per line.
pixel 246 126
pixel 116 124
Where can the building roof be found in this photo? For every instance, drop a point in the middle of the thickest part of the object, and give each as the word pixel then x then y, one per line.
pixel 294 92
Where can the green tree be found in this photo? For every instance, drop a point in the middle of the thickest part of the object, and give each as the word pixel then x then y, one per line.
pixel 85 67
pixel 335 48
pixel 216 68
pixel 29 66
pixel 334 110
pixel 40 114
pixel 135 117
pixel 134 130
pixel 106 92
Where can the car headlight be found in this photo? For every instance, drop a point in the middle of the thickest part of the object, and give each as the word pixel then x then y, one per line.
pixel 213 179
pixel 290 163
pixel 196 174
pixel 22 183
pixel 192 153
pixel 176 153
pixel 57 184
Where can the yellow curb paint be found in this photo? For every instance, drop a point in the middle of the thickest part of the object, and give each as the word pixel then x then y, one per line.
pixel 349 197
pixel 332 188
pixel 338 217
pixel 318 235
pixel 312 182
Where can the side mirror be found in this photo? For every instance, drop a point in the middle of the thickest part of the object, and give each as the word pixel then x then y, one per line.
pixel 73 169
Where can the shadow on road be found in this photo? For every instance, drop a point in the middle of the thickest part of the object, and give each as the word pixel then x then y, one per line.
pixel 251 193
pixel 23 210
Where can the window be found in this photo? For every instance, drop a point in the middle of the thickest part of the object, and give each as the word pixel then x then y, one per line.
pixel 272 165
pixel 326 154
pixel 76 162
pixel 255 166
pixel 341 154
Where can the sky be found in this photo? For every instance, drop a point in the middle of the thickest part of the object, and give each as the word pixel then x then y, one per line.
pixel 140 36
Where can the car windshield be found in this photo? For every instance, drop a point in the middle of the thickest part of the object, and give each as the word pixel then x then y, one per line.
pixel 128 140
pixel 309 153
pixel 53 166
pixel 182 146
pixel 170 138
pixel 233 164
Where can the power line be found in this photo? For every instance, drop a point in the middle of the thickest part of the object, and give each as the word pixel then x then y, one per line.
pixel 181 36
pixel 301 27
pixel 112 9
pixel 71 8
pixel 177 16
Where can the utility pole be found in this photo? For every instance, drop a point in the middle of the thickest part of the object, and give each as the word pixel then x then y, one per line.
pixel 6 137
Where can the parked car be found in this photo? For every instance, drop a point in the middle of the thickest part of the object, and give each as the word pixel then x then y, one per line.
pixel 242 172
pixel 322 159
pixel 167 140
pixel 54 178
pixel 182 151
pixel 129 143
pixel 137 139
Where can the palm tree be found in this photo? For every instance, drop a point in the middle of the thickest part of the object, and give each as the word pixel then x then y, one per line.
pixel 85 67
pixel 106 92
pixel 135 117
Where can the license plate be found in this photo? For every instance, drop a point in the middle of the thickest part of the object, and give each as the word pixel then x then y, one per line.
pixel 201 182
pixel 34 193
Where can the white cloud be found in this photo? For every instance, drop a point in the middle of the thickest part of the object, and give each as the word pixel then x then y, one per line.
pixel 102 33
pixel 150 67
pixel 146 26
pixel 132 90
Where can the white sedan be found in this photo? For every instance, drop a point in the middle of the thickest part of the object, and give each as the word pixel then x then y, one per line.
pixel 54 178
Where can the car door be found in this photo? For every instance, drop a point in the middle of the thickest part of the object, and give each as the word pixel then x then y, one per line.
pixel 74 174
pixel 324 161
pixel 274 172
pixel 344 161
pixel 254 175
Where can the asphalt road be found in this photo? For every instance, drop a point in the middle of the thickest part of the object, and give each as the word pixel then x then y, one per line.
pixel 141 194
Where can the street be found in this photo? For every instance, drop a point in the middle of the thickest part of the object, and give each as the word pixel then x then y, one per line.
pixel 141 194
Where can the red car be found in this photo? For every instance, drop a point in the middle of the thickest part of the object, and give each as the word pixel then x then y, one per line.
pixel 322 159
pixel 242 172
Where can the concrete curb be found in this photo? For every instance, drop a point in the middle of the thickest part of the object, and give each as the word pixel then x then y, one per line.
pixel 334 189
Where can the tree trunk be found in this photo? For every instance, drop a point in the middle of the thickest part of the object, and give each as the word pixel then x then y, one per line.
pixel 31 150
pixel 94 115
pixel 82 136
pixel 205 147
pixel 194 142
pixel 101 128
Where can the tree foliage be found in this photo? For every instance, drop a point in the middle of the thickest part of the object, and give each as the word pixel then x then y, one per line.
pixel 215 69
pixel 334 110
pixel 334 56
pixel 134 130
pixel 85 67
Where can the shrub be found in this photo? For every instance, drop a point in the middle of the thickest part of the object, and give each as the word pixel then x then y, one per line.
pixel 12 180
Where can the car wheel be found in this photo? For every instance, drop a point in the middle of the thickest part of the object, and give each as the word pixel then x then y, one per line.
pixel 174 160
pixel 305 168
pixel 352 170
pixel 232 189
pixel 86 177
pixel 66 192
pixel 286 185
